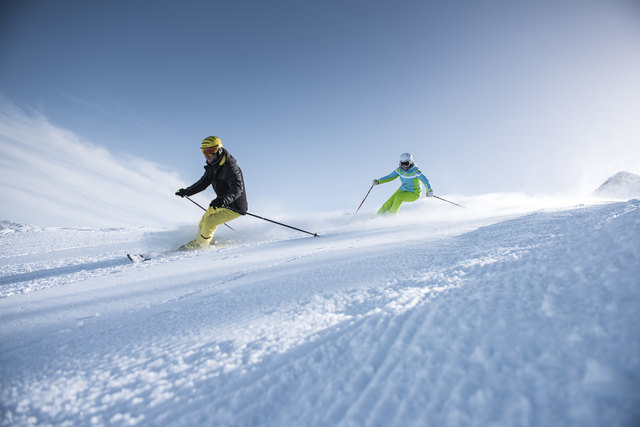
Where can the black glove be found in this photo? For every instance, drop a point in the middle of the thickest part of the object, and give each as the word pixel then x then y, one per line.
pixel 216 203
pixel 181 192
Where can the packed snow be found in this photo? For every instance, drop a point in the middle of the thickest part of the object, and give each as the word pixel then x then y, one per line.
pixel 439 316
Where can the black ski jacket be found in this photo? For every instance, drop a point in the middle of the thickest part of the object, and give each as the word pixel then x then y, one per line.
pixel 226 178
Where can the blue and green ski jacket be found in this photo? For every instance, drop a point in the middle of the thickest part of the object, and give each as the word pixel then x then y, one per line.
pixel 410 179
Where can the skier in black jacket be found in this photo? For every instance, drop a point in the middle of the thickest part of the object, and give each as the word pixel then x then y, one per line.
pixel 223 173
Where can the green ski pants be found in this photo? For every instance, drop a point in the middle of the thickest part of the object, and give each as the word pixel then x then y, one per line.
pixel 392 206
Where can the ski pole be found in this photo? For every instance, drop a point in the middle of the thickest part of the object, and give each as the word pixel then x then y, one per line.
pixel 445 200
pixel 195 203
pixel 365 198
pixel 275 222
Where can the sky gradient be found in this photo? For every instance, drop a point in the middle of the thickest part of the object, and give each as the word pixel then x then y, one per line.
pixel 316 99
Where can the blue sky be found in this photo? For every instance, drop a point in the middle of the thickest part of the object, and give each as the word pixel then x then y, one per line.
pixel 315 99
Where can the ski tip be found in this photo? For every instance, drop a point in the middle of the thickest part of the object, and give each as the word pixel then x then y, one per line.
pixel 137 258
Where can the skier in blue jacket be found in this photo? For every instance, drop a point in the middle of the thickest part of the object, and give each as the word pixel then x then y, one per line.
pixel 410 189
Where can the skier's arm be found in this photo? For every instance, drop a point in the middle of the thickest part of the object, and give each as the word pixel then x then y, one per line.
pixel 425 181
pixel 393 175
pixel 197 187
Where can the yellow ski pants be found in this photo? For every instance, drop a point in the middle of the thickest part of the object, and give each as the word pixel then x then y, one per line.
pixel 210 221
pixel 392 206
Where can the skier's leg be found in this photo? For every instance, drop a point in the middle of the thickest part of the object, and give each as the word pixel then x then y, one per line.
pixel 386 207
pixel 210 221
pixel 399 197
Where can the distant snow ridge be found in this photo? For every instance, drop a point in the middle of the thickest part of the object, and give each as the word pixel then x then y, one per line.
pixel 622 185
pixel 7 227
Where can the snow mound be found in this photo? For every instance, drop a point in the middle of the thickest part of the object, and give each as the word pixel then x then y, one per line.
pixel 622 185
pixel 7 227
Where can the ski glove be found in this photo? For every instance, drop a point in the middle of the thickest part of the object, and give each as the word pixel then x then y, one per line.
pixel 376 182
pixel 429 193
pixel 181 192
pixel 216 203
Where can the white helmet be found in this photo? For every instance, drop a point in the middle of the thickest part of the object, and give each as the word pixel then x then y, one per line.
pixel 406 157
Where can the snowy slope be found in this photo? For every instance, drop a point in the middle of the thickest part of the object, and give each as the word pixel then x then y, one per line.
pixel 446 318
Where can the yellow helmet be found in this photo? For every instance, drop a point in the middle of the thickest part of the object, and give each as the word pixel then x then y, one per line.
pixel 211 141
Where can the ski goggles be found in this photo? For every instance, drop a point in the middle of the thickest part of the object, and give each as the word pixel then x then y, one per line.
pixel 210 151
pixel 405 163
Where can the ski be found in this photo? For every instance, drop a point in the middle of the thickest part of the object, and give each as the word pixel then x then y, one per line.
pixel 136 258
